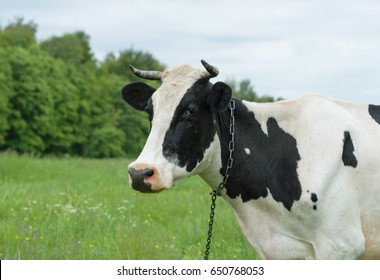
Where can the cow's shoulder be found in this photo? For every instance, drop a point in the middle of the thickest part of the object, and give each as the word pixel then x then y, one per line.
pixel 265 160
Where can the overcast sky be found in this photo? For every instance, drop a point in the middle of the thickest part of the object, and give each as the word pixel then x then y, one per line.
pixel 286 48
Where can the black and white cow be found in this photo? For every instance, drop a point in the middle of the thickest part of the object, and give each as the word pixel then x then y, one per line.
pixel 305 183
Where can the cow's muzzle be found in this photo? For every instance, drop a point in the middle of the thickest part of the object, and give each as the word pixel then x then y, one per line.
pixel 144 178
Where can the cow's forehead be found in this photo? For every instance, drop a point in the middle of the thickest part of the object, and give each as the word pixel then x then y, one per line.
pixel 182 73
pixel 175 83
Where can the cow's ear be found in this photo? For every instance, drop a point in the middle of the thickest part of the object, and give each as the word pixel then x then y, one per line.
pixel 137 95
pixel 219 97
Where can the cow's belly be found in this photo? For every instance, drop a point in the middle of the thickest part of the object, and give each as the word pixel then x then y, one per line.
pixel 302 233
pixel 280 246
pixel 270 238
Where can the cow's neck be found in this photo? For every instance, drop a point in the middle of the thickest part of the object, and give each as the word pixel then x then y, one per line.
pixel 264 161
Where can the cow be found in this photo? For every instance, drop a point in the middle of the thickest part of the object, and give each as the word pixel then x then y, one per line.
pixel 305 179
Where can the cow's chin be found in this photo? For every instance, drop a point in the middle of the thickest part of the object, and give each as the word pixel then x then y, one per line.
pixel 146 186
pixel 149 191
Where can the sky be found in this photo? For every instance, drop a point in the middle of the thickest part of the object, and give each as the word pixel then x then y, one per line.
pixel 286 48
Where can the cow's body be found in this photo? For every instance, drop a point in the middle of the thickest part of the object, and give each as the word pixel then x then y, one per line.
pixel 325 219
pixel 305 182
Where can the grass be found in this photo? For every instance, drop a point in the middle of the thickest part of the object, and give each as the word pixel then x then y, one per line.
pixel 84 209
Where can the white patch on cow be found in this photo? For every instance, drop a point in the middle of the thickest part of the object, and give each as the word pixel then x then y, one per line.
pixel 273 223
pixel 260 115
pixel 211 164
pixel 247 151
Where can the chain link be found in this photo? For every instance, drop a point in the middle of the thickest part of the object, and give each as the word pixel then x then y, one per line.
pixel 215 193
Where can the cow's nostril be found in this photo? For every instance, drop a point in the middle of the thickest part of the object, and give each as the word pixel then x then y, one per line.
pixel 149 173
pixel 140 174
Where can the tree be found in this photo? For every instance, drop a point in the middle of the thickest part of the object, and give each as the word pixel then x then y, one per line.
pixel 139 59
pixel 97 115
pixel 28 104
pixel 134 124
pixel 6 90
pixel 244 90
pixel 19 34
pixel 105 142
pixel 55 99
pixel 72 48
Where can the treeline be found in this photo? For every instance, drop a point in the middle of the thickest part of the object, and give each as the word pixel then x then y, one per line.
pixel 56 99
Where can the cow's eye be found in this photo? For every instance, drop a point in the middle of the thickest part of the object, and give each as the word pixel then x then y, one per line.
pixel 191 110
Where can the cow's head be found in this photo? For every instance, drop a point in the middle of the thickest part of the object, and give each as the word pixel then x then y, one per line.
pixel 183 127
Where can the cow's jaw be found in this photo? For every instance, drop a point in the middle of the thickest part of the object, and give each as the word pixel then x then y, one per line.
pixel 211 165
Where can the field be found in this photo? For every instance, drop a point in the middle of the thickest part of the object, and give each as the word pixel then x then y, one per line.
pixel 84 209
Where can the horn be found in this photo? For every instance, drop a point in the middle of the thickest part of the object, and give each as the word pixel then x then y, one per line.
pixel 149 75
pixel 212 70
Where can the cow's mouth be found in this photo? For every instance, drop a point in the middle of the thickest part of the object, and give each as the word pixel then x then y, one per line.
pixel 143 188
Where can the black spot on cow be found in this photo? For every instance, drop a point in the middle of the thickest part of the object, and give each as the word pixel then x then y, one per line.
pixel 272 164
pixel 374 111
pixel 191 129
pixel 314 197
pixel 348 156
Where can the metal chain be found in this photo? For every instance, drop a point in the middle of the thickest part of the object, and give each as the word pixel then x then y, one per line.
pixel 215 193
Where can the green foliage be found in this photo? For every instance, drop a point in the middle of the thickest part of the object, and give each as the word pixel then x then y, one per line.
pixel 31 103
pixel 72 48
pixel 6 89
pixel 139 59
pixel 105 142
pixel 244 90
pixel 18 34
pixel 55 99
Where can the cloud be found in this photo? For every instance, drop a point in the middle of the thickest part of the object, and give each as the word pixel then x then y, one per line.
pixel 286 48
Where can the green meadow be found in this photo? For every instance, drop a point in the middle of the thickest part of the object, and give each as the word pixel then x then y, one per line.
pixel 73 208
